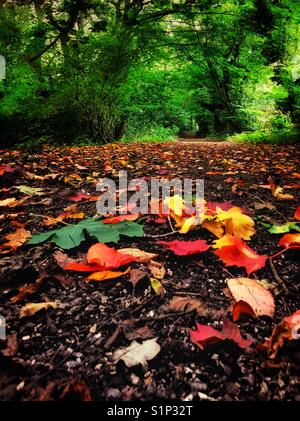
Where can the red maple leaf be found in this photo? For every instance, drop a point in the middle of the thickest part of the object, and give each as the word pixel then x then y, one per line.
pixel 204 335
pixel 184 248
pixel 239 254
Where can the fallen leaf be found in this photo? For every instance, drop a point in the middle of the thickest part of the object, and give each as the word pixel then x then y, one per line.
pixel 105 275
pixel 79 196
pixel 140 255
pixel 157 269
pixel 297 213
pixel 236 223
pixel 10 203
pixel 239 308
pixel 27 289
pixel 75 389
pixel 287 227
pixel 206 335
pixel 138 353
pixel 254 294
pixel 108 257
pixel 70 212
pixel 136 275
pixel 239 254
pixel 184 248
pixel 157 286
pixel 182 304
pixel 30 191
pixel 287 330
pixel 277 191
pixel 6 169
pixel 120 218
pixel 290 241
pixel 31 308
pixel 15 240
pixel 12 346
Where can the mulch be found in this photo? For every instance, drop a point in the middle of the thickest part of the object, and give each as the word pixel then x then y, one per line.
pixel 67 353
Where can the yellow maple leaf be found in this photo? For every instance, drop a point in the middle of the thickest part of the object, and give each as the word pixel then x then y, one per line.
pixel 188 224
pixel 226 240
pixel 175 204
pixel 236 223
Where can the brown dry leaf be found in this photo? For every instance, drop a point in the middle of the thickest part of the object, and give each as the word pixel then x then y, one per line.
pixel 182 304
pixel 69 212
pixel 31 308
pixel 136 275
pixel 15 240
pixel 263 205
pixel 157 269
pixel 141 255
pixel 75 389
pixel 27 289
pixel 254 294
pixel 11 345
pixel 277 191
pixel 62 259
pixel 284 334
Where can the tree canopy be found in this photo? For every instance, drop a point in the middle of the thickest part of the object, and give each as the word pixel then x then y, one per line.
pixel 110 69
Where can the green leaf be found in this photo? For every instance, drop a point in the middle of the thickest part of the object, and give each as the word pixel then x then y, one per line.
pixel 281 229
pixel 71 236
pixel 30 191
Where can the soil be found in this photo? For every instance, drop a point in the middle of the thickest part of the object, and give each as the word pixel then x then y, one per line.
pixel 67 353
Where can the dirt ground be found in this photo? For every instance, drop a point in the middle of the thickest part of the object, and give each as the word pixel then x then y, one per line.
pixel 67 353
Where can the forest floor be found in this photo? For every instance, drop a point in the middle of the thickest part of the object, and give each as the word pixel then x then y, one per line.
pixel 67 352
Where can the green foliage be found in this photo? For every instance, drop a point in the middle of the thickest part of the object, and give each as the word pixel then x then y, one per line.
pixel 273 137
pixel 72 236
pixel 98 71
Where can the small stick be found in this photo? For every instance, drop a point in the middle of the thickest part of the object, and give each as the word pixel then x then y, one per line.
pixel 170 223
pixel 161 235
pixel 277 277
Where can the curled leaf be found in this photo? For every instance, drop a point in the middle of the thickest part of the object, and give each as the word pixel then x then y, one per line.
pixel 31 308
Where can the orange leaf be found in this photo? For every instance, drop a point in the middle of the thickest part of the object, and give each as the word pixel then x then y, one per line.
pixel 120 218
pixel 106 274
pixel 254 294
pixel 239 254
pixel 16 239
pixel 290 240
pixel 108 257
pixel 82 267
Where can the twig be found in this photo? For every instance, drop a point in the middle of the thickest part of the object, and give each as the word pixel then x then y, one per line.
pixel 161 235
pixel 170 223
pixel 195 294
pixel 277 277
